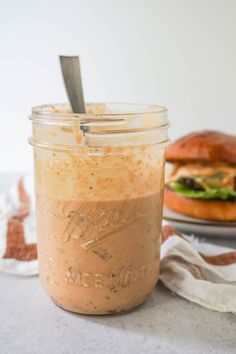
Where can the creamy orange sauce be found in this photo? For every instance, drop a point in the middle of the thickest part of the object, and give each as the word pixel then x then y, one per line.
pixel 99 224
pixel 99 257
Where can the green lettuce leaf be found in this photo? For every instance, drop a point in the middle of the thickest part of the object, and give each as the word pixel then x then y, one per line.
pixel 220 193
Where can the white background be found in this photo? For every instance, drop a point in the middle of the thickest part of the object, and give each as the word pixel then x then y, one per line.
pixel 178 53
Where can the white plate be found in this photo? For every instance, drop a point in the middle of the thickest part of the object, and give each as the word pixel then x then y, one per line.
pixel 200 227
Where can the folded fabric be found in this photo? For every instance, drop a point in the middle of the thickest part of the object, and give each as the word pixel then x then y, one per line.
pixel 198 271
pixel 18 251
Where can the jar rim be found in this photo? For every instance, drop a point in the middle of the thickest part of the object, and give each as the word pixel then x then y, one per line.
pixel 107 123
pixel 131 110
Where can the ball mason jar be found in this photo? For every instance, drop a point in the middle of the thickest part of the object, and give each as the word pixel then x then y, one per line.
pixel 99 181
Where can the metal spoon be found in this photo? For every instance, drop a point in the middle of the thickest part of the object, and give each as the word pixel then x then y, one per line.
pixel 70 66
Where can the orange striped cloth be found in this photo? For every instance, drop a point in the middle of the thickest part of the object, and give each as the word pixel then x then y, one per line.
pixel 198 271
pixel 18 250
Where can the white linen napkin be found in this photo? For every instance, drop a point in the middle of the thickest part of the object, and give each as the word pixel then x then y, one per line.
pixel 18 251
pixel 198 271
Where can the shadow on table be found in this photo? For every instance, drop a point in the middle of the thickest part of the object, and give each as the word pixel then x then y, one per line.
pixel 171 318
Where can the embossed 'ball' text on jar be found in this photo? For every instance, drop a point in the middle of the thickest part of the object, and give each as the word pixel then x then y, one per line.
pixel 99 181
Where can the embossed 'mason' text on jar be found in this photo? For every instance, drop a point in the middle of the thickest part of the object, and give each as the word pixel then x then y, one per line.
pixel 99 182
pixel 108 280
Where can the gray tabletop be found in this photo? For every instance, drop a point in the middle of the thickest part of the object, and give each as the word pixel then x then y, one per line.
pixel 166 323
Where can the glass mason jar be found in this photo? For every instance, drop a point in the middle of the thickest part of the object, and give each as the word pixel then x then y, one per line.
pixel 99 181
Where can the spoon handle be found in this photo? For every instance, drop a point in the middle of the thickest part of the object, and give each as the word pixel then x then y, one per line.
pixel 70 67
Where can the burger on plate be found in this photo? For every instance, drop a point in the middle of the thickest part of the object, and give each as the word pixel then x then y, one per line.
pixel 202 181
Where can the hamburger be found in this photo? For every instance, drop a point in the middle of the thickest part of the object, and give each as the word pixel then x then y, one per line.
pixel 202 181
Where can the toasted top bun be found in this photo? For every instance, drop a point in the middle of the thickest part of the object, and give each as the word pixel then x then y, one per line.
pixel 205 146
